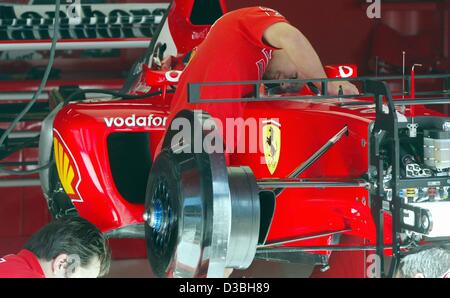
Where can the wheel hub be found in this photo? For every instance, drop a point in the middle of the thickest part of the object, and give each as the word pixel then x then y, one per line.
pixel 202 217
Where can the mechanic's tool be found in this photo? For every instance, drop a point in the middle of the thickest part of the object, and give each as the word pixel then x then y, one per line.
pixel 304 166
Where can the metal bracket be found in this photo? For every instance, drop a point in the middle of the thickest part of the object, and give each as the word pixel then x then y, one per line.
pixel 422 224
pixel 386 132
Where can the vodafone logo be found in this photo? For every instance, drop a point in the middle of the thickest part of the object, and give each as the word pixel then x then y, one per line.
pixel 133 121
pixel 345 71
pixel 2 260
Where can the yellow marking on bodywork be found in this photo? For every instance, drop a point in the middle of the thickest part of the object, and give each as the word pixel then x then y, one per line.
pixel 65 170
pixel 272 146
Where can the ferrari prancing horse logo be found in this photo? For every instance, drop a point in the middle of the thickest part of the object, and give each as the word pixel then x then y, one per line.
pixel 272 143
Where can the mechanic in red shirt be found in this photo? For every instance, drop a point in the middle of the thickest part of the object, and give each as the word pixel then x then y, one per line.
pixel 249 44
pixel 67 247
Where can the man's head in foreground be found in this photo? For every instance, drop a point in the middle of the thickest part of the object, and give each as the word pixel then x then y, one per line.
pixel 431 262
pixel 71 247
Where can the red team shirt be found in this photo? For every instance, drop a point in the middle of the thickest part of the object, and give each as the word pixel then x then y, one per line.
pixel 23 265
pixel 234 50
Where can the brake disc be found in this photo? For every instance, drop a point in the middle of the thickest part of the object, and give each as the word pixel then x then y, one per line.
pixel 200 216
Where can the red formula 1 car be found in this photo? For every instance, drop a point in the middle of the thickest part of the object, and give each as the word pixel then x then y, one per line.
pixel 375 167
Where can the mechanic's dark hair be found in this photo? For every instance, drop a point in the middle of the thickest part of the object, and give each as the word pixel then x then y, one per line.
pixel 431 262
pixel 71 235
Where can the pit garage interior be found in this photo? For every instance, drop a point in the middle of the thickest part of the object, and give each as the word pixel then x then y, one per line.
pixel 340 31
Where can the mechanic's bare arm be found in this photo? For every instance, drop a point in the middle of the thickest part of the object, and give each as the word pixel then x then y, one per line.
pixel 288 38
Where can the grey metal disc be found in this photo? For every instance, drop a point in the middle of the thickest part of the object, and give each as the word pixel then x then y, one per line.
pixel 200 217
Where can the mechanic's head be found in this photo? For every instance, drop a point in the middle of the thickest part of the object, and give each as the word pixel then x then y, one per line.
pixel 71 247
pixel 281 67
pixel 426 263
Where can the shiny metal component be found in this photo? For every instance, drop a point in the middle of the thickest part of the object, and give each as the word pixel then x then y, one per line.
pixel 307 183
pixel 300 249
pixel 202 217
pixel 161 199
pixel 436 146
pixel 414 170
pixel 245 218
pixel 425 222
pixel 130 231
pixel 297 257
pixel 446 126
pixel 302 238
pixel 145 216
pixel 435 219
pixel 313 158
pixel 418 218
pixel 157 218
pixel 412 129
pixel 46 148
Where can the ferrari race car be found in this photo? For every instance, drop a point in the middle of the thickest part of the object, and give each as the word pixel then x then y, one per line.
pixel 374 166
